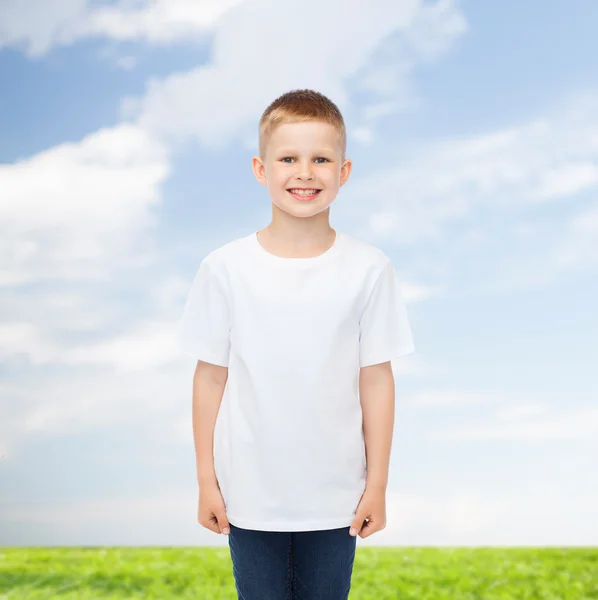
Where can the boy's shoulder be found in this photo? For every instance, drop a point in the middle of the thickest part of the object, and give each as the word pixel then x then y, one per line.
pixel 360 250
pixel 218 257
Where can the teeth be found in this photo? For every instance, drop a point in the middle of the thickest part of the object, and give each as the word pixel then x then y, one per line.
pixel 304 192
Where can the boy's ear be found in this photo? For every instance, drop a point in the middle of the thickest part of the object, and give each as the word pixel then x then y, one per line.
pixel 259 170
pixel 346 171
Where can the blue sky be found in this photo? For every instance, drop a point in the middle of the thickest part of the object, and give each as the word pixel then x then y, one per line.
pixel 126 137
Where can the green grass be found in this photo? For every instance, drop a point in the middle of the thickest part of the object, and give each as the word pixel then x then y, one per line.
pixel 378 574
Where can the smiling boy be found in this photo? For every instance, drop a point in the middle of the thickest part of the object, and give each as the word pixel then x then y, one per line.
pixel 294 327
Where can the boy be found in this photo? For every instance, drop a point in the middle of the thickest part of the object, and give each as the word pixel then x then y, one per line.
pixel 307 320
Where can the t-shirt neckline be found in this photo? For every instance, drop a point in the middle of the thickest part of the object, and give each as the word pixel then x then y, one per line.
pixel 294 261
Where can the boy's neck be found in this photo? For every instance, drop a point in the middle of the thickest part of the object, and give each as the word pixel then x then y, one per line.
pixel 292 245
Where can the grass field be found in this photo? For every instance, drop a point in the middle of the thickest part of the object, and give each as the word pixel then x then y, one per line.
pixel 378 574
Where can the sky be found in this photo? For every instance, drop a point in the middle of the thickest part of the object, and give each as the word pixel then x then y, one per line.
pixel 127 130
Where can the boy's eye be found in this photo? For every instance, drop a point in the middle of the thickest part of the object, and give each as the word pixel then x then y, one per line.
pixel 283 159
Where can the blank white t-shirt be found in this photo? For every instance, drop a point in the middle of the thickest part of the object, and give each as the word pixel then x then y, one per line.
pixel 289 451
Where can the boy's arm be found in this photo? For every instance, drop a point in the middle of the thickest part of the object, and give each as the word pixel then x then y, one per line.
pixel 209 382
pixel 377 397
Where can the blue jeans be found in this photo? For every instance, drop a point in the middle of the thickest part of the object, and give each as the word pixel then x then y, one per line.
pixel 297 565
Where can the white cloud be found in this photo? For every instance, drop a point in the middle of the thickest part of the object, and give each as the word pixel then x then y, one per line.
pixel 38 26
pixel 126 62
pixel 215 102
pixel 442 182
pixel 534 515
pixel 15 337
pixel 538 515
pixel 586 222
pixel 435 29
pixel 444 397
pixel 70 211
pixel 528 423
pixel 371 112
pixel 521 411
pixel 165 518
pixel 579 245
pixel 430 189
pixel 567 179
pixel 145 346
pixel 432 32
pixel 161 21
pixel 364 135
pixel 78 212
pixel 151 401
pixel 414 292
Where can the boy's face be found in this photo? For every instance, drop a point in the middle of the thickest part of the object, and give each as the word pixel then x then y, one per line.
pixel 303 155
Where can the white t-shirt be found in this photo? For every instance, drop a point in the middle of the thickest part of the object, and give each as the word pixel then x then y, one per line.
pixel 289 451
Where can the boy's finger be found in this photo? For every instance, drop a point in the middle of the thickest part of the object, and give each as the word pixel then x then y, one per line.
pixel 211 527
pixel 356 526
pixel 367 530
pixel 223 524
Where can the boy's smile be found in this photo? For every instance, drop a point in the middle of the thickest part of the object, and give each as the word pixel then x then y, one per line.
pixel 304 194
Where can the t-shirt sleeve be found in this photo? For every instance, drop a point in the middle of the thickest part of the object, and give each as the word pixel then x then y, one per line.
pixel 204 328
pixel 384 329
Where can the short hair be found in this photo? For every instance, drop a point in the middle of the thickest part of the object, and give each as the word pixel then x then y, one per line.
pixel 298 106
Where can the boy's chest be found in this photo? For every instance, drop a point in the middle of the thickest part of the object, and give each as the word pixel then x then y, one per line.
pixel 306 307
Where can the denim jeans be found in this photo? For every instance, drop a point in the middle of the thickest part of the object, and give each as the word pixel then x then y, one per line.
pixel 297 565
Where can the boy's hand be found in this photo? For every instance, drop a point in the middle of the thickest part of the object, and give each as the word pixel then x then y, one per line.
pixel 372 507
pixel 212 511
